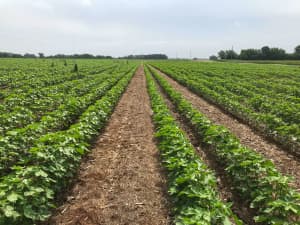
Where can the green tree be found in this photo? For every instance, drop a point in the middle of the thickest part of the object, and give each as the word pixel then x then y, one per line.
pixel 222 54
pixel 277 53
pixel 297 52
pixel 265 51
pixel 29 55
pixel 230 54
pixel 41 55
pixel 251 54
pixel 213 57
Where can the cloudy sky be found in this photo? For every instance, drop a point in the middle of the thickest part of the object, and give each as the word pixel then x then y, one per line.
pixel 120 27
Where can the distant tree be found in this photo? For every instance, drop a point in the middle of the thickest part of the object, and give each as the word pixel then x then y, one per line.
pixel 250 54
pixel 103 57
pixel 213 57
pixel 16 55
pixel 297 49
pixel 80 56
pixel 297 52
pixel 84 56
pixel 150 56
pixel 41 55
pixel 230 54
pixel 266 52
pixel 29 55
pixel 10 55
pixel 222 54
pixel 155 56
pixel 277 53
pixel 60 56
pixel 260 54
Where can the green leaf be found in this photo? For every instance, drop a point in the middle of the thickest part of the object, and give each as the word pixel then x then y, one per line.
pixel 28 212
pixel 227 221
pixel 10 212
pixel 13 197
pixel 80 150
pixel 41 173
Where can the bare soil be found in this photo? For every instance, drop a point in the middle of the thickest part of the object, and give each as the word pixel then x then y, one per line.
pixel 286 163
pixel 122 182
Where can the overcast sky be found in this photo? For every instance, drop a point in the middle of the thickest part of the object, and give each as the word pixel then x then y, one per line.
pixel 122 27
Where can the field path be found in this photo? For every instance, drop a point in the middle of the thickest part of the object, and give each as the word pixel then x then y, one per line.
pixel 122 182
pixel 284 162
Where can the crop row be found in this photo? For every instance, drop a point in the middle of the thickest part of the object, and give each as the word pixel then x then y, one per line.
pixel 22 107
pixel 26 109
pixel 26 97
pixel 258 100
pixel 10 99
pixel 253 177
pixel 23 74
pixel 14 145
pixel 27 194
pixel 276 117
pixel 192 186
pixel 281 81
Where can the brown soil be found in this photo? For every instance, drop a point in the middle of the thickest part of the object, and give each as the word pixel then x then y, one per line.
pixel 122 182
pixel 225 188
pixel 286 163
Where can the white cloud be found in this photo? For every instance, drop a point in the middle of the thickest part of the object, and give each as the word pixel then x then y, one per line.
pixel 121 27
pixel 42 5
pixel 86 2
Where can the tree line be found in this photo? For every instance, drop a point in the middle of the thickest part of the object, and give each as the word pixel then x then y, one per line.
pixel 41 55
pixel 80 56
pixel 265 53
pixel 150 56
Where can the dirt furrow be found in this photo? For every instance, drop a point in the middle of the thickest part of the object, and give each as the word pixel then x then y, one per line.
pixel 285 162
pixel 122 182
pixel 224 186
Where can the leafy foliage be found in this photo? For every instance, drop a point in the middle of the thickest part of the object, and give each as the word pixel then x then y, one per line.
pixel 267 97
pixel 265 53
pixel 15 143
pixel 192 186
pixel 27 193
pixel 255 178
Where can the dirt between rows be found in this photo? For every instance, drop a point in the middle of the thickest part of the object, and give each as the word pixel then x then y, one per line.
pixel 122 182
pixel 286 163
pixel 224 187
